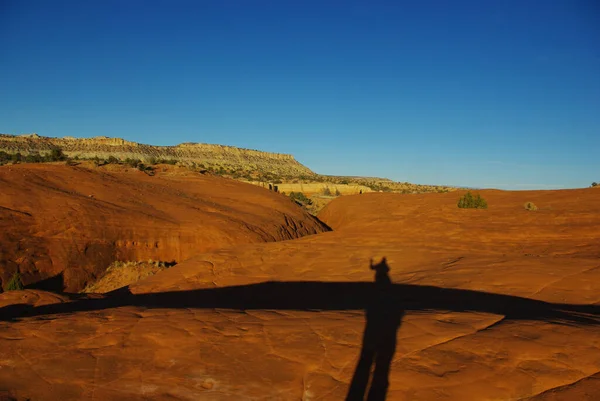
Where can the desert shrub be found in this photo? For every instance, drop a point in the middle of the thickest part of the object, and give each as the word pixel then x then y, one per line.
pixel 327 191
pixel 34 158
pixel 112 160
pixel 468 201
pixel 56 154
pixel 133 162
pixel 530 206
pixel 594 184
pixel 337 192
pixel 300 197
pixel 146 169
pixel 15 282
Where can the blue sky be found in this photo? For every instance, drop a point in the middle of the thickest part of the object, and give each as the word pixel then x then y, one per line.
pixel 501 94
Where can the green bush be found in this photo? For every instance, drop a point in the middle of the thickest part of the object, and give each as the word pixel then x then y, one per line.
pixel 530 206
pixel 468 201
pixel 34 158
pixel 133 162
pixel 56 155
pixel 300 197
pixel 15 282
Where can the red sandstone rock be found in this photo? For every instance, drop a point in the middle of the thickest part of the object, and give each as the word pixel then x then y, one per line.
pixel 58 219
pixel 468 286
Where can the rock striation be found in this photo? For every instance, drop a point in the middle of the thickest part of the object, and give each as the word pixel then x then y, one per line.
pixel 73 221
pixel 208 155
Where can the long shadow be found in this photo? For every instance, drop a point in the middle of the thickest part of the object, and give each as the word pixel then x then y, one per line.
pixel 383 320
pixel 55 284
pixel 383 301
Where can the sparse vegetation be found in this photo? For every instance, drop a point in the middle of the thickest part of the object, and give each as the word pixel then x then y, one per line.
pixel 468 201
pixel 15 283
pixel 121 273
pixel 54 155
pixel 248 168
pixel 530 206
pixel 133 162
pixel 300 197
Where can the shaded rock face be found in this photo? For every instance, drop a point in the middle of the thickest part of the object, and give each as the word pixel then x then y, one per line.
pixel 199 153
pixel 467 305
pixel 75 221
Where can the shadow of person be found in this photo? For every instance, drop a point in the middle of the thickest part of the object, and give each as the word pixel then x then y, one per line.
pixel 383 318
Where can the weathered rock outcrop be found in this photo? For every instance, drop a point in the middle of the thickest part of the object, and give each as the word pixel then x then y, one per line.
pixel 75 221
pixel 316 188
pixel 208 155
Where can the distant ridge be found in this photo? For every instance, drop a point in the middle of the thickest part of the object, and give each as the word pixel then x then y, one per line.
pixel 207 155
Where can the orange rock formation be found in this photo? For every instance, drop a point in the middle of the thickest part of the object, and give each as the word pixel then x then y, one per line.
pixel 495 304
pixel 75 221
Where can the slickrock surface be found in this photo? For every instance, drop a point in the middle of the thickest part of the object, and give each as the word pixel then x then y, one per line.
pixel 497 304
pixel 75 221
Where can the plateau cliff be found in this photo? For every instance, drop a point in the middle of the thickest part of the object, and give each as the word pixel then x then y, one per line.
pixel 200 154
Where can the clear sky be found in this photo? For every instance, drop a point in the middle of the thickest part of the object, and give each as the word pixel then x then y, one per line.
pixel 501 94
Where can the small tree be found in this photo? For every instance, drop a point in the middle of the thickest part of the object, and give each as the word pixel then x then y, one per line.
pixel 468 201
pixel 15 282
pixel 594 184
